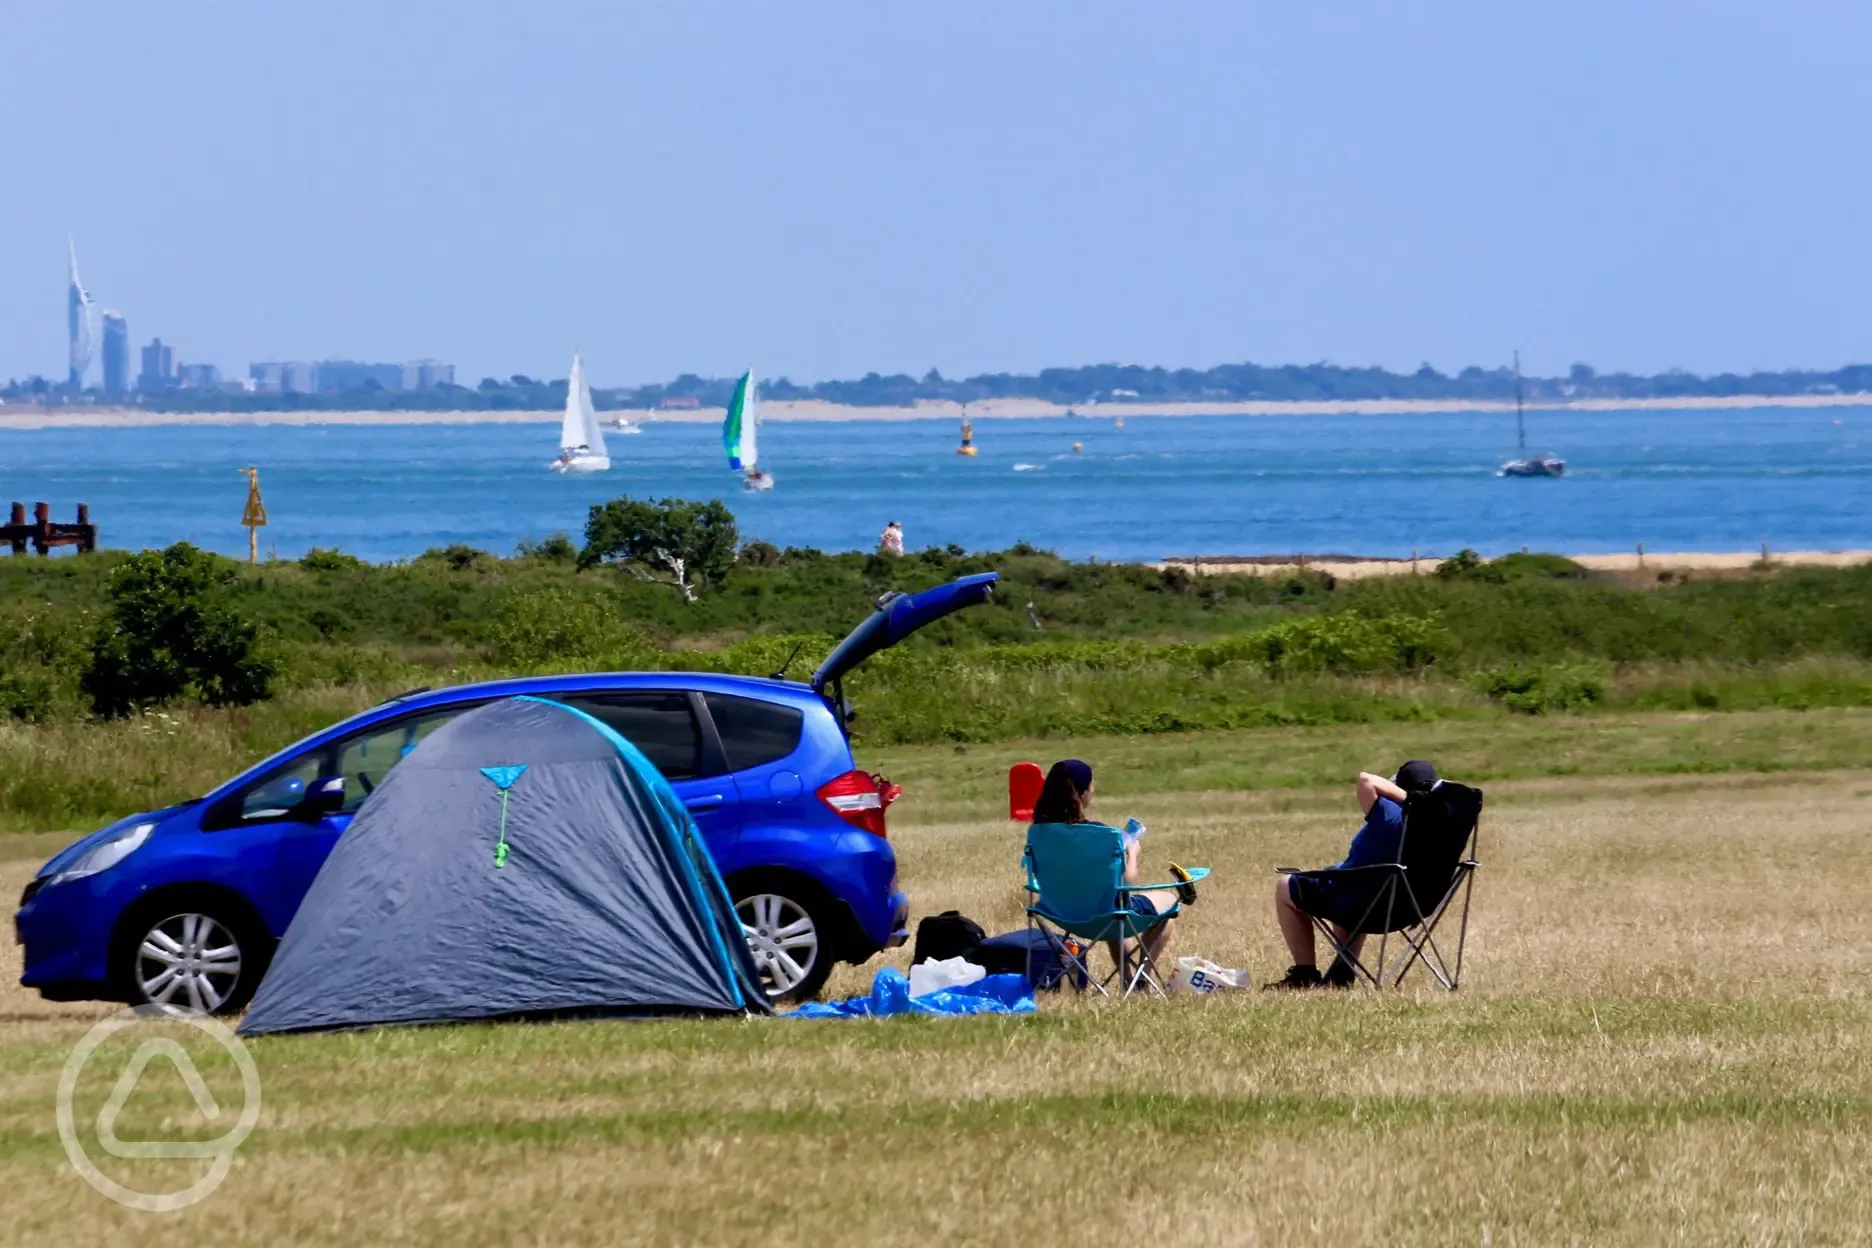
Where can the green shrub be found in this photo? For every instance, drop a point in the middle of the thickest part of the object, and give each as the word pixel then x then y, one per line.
pixel 686 545
pixel 1548 690
pixel 556 549
pixel 1350 644
pixel 319 559
pixel 551 628
pixel 172 630
pixel 1467 565
pixel 759 555
pixel 456 558
pixel 1554 567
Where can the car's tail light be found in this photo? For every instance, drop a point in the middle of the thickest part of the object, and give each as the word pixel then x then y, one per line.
pixel 859 799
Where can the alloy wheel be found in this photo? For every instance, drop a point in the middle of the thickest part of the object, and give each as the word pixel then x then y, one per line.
pixel 782 937
pixel 189 963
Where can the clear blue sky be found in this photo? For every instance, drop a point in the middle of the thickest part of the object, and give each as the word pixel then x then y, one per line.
pixel 824 189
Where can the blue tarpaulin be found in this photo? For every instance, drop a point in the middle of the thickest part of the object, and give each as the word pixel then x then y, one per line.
pixel 890 994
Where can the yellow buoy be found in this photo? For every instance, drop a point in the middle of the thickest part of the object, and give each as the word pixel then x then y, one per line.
pixel 968 440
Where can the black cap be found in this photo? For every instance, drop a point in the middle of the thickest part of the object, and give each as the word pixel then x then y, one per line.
pixel 1416 776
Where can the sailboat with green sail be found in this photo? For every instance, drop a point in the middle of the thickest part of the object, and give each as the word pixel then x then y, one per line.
pixel 741 435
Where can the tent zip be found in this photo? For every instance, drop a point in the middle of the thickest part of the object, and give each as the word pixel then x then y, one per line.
pixel 500 846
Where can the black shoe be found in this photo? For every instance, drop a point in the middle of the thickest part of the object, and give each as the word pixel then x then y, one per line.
pixel 1340 975
pixel 1298 977
pixel 1186 890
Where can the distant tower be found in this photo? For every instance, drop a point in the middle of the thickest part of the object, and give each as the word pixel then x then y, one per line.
pixel 78 310
pixel 116 353
pixel 158 367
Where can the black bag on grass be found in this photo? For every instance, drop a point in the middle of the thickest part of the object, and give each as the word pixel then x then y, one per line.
pixel 1007 954
pixel 950 934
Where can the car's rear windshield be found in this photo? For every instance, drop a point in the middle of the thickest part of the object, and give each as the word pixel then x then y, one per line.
pixel 752 731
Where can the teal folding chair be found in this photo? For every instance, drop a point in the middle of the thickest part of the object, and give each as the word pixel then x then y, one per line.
pixel 1077 897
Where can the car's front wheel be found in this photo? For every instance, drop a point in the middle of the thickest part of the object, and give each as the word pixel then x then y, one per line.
pixel 193 956
pixel 788 933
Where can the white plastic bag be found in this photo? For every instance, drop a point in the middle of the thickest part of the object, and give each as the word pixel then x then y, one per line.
pixel 932 976
pixel 1203 976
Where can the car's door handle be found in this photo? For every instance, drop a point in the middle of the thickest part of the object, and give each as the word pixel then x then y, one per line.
pixel 706 802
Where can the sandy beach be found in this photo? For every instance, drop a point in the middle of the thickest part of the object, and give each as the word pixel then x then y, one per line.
pixel 1354 567
pixel 17 417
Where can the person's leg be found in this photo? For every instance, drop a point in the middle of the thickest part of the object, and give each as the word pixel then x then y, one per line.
pixel 1340 974
pixel 1161 899
pixel 1296 927
pixel 1352 944
pixel 1156 943
pixel 1155 938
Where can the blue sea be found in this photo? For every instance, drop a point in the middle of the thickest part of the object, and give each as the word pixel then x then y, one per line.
pixel 1168 485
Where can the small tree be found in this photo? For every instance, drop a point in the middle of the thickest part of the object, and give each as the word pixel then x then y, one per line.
pixel 173 629
pixel 671 541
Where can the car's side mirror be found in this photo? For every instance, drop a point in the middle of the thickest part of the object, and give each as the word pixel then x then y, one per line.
pixel 325 797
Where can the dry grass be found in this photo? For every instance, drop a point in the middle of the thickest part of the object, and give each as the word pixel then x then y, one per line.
pixel 1664 1040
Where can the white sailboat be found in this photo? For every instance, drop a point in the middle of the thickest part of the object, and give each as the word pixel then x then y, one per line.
pixel 741 433
pixel 581 441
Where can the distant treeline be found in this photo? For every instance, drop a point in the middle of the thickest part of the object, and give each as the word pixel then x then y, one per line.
pixel 1098 383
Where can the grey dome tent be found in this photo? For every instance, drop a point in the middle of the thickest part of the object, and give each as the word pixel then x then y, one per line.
pixel 523 860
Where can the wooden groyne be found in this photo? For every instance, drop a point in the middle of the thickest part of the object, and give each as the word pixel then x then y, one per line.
pixel 42 534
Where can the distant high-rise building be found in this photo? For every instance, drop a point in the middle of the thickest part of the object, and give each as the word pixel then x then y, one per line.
pixel 198 376
pixel 116 353
pixel 158 367
pixel 287 377
pixel 297 377
pixel 422 374
pixel 339 376
pixel 79 307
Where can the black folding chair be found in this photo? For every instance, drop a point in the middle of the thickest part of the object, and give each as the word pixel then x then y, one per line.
pixel 1436 861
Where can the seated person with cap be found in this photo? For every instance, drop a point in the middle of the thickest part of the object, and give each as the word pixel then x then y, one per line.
pixel 1379 840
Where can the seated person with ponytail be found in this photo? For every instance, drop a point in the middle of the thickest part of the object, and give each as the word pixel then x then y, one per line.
pixel 1067 799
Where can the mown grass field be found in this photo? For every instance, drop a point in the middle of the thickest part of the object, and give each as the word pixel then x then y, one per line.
pixel 1663 1038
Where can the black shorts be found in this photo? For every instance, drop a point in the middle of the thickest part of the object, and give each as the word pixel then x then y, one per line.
pixel 1347 903
pixel 1311 895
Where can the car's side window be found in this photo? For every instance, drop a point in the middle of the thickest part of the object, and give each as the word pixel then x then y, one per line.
pixel 752 731
pixel 658 723
pixel 275 796
pixel 365 759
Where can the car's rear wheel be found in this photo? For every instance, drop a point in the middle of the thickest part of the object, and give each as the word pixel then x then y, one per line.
pixel 192 956
pixel 789 934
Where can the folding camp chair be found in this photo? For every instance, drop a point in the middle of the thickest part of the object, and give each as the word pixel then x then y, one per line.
pixel 1409 897
pixel 1077 897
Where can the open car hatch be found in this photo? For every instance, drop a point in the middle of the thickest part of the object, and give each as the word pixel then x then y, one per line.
pixel 897 616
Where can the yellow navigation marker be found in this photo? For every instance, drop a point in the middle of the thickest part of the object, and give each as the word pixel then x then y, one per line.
pixel 254 514
pixel 968 440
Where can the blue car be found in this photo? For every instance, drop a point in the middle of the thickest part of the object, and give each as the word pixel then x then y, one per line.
pixel 182 907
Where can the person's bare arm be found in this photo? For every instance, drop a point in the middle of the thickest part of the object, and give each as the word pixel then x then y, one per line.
pixel 1371 788
pixel 1131 863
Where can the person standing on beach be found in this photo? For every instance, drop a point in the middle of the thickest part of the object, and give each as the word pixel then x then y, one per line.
pixel 891 542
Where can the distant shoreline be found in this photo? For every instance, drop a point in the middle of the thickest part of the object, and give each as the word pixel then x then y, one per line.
pixel 1357 567
pixel 22 418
